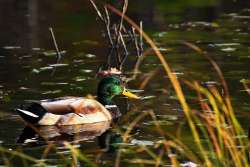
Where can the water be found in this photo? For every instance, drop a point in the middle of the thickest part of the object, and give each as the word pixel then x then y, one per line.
pixel 27 56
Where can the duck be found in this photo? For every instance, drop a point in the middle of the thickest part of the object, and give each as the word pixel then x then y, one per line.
pixel 70 110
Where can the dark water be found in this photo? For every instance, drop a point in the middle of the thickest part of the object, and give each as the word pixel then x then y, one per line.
pixel 26 53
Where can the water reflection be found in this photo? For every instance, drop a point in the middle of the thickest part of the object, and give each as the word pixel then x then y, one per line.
pixel 109 141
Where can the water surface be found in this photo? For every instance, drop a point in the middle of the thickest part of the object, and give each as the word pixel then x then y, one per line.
pixel 27 56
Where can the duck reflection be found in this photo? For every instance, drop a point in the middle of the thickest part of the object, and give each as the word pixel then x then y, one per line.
pixel 39 135
pixel 109 141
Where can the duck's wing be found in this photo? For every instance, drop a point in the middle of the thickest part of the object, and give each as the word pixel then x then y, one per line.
pixel 86 106
pixel 60 105
pixel 85 111
pixel 77 105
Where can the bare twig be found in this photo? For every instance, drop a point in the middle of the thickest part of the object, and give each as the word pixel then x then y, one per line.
pixel 125 49
pixel 136 42
pixel 59 56
pixel 124 9
pixel 97 10
pixel 108 26
pixel 119 38
pixel 141 41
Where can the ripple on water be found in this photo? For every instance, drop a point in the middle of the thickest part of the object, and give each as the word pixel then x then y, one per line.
pixel 226 44
pixel 86 70
pixel 58 65
pixel 46 68
pixel 90 55
pixel 79 78
pixel 52 52
pixel 52 92
pixel 142 142
pixel 160 122
pixel 54 83
pixel 11 47
pixel 228 49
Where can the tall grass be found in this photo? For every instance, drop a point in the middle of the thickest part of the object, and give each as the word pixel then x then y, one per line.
pixel 220 126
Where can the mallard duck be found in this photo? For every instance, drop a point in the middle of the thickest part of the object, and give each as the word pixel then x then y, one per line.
pixel 77 110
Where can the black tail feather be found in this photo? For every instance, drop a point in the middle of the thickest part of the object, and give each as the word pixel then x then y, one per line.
pixel 32 113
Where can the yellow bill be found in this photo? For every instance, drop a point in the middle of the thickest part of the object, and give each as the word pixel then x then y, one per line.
pixel 129 94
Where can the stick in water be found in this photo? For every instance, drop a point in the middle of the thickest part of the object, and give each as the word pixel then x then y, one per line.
pixel 57 50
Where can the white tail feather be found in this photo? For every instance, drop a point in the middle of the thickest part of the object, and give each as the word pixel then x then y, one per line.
pixel 28 113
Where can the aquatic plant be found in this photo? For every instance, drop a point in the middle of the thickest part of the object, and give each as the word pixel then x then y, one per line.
pixel 225 142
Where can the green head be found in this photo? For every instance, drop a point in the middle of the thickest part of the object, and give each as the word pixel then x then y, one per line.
pixel 110 87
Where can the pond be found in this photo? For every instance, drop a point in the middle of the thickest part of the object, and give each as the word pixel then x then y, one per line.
pixel 221 28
